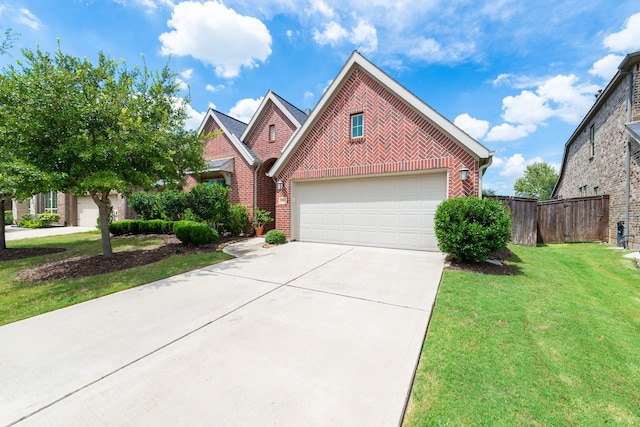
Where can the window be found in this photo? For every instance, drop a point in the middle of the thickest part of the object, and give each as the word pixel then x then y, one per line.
pixel 592 141
pixel 272 132
pixel 357 128
pixel 51 202
pixel 596 191
pixel 217 180
pixel 584 190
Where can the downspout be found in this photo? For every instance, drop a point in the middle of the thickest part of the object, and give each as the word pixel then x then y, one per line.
pixel 481 171
pixel 255 187
pixel 628 153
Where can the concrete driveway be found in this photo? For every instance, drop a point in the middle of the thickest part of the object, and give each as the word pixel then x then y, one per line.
pixel 297 335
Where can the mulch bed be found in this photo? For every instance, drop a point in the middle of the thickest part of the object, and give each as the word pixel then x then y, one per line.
pixel 503 269
pixel 11 254
pixel 90 265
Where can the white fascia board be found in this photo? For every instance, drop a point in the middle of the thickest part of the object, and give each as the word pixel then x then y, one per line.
pixel 256 116
pixel 471 145
pixel 239 146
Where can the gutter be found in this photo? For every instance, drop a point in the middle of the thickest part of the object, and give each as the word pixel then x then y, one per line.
pixel 482 170
pixel 627 189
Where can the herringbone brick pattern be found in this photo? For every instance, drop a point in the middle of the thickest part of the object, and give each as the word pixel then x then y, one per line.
pixel 396 139
pixel 258 139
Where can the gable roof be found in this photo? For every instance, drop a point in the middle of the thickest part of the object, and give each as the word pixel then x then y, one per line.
pixel 623 70
pixel 233 128
pixel 294 114
pixel 356 59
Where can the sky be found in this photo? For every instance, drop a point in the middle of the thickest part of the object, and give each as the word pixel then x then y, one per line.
pixel 516 75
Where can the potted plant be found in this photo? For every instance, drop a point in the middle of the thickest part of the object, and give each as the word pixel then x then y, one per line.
pixel 260 218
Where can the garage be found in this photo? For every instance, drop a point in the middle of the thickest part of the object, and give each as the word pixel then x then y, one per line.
pixel 88 210
pixel 387 211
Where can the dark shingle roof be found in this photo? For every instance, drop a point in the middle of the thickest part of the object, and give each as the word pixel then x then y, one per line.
pixel 235 126
pixel 300 115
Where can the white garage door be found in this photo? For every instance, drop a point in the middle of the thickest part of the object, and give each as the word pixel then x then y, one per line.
pixel 88 210
pixel 393 212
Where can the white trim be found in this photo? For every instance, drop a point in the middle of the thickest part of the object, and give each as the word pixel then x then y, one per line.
pixel 455 133
pixel 270 96
pixel 248 157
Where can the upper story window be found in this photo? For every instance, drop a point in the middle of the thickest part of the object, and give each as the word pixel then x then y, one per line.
pixel 584 191
pixel 592 141
pixel 272 132
pixel 357 126
pixel 596 191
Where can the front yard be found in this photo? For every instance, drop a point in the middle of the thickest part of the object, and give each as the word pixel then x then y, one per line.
pixel 20 299
pixel 557 344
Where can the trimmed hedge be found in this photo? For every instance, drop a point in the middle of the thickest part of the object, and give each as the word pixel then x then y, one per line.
pixel 469 228
pixel 275 237
pixel 138 226
pixel 195 233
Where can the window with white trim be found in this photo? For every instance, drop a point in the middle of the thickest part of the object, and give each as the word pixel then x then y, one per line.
pixel 592 141
pixel 357 125
pixel 596 191
pixel 51 202
pixel 272 132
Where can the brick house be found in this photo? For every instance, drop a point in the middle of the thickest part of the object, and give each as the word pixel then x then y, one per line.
pixel 371 163
pixel 241 154
pixel 602 156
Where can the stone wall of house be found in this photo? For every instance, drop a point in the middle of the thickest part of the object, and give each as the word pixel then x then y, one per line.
pixel 396 139
pixel 606 169
pixel 635 110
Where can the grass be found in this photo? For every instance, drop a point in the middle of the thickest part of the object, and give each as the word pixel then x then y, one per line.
pixel 558 344
pixel 20 300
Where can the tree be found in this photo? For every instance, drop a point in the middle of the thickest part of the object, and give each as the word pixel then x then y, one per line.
pixel 97 128
pixel 538 181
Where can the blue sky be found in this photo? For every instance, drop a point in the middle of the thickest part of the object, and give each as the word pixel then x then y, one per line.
pixel 516 75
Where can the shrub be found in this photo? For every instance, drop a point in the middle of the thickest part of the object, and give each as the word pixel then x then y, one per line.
pixel 8 217
pixel 43 220
pixel 171 204
pixel 146 205
pixel 238 219
pixel 209 203
pixel 469 228
pixel 195 233
pixel 137 226
pixel 48 218
pixel 275 237
pixel 261 217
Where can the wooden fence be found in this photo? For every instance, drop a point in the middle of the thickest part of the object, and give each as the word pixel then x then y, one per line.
pixel 583 219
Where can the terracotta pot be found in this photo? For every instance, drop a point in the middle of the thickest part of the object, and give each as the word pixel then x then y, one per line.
pixel 260 231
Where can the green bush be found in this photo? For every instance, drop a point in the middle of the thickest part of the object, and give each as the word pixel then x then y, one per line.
pixel 8 217
pixel 171 204
pixel 469 228
pixel 261 217
pixel 238 219
pixel 275 237
pixel 43 220
pixel 138 226
pixel 147 205
pixel 48 218
pixel 209 203
pixel 195 233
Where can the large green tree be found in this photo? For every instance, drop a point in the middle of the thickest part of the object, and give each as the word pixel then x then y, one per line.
pixel 538 181
pixel 97 129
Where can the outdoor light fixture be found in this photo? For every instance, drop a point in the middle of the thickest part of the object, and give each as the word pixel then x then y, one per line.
pixel 279 185
pixel 464 174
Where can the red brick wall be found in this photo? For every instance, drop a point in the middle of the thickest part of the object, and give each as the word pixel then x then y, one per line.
pixel 396 139
pixel 258 140
pixel 267 192
pixel 242 177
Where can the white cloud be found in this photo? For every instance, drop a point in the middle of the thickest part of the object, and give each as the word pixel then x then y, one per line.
pixel 212 105
pixel 29 19
pixel 502 79
pixel 213 89
pixel 216 35
pixel 508 132
pixel 571 99
pixel 606 67
pixel 195 118
pixel 432 51
pixel 187 74
pixel 183 85
pixel 626 40
pixel 319 6
pixel 364 36
pixel 245 109
pixel 528 107
pixel 308 95
pixel 332 34
pixel 473 127
pixel 514 166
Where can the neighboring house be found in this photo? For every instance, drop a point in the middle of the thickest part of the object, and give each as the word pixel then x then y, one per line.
pixel 603 154
pixel 371 163
pixel 73 210
pixel 241 154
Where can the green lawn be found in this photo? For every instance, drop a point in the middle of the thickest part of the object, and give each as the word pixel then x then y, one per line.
pixel 19 300
pixel 558 344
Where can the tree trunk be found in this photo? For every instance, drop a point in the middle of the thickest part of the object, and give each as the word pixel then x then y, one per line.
pixel 3 240
pixel 104 208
